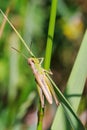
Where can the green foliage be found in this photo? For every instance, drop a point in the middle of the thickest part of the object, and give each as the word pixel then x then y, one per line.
pixel 17 86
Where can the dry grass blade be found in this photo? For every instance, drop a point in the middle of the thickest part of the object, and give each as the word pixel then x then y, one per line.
pixel 4 22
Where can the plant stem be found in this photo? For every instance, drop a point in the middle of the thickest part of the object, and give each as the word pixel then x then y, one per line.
pixel 50 34
pixel 48 53
pixel 40 117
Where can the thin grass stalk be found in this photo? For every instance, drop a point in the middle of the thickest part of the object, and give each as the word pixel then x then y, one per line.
pixel 40 117
pixel 50 34
pixel 48 53
pixel 4 22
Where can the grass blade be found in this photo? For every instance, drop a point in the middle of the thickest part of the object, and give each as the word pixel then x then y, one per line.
pixel 75 83
pixel 72 117
pixel 31 53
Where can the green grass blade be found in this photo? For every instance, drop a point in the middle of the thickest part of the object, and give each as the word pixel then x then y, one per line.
pixel 72 117
pixel 22 40
pixel 78 75
pixel 75 83
pixel 50 34
pixel 49 48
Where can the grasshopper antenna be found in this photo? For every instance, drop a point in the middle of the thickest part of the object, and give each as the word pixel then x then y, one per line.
pixel 20 52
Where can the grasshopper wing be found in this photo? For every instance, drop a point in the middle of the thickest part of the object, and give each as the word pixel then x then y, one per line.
pixel 51 89
pixel 41 95
pixel 40 79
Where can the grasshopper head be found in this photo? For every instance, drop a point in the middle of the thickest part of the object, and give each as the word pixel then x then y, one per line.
pixel 33 61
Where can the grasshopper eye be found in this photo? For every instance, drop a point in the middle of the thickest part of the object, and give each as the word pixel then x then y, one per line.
pixel 31 61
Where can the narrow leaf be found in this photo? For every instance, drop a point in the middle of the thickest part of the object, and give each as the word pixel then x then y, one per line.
pixel 72 117
pixel 75 86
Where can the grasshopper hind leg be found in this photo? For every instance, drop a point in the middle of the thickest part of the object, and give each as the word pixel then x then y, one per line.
pixel 41 96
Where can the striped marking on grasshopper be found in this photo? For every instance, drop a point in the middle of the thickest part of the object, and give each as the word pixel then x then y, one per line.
pixel 43 83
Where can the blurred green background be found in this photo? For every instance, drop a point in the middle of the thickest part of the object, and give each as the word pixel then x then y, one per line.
pixel 18 92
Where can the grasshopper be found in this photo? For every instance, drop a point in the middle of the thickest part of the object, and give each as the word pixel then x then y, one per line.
pixel 44 85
